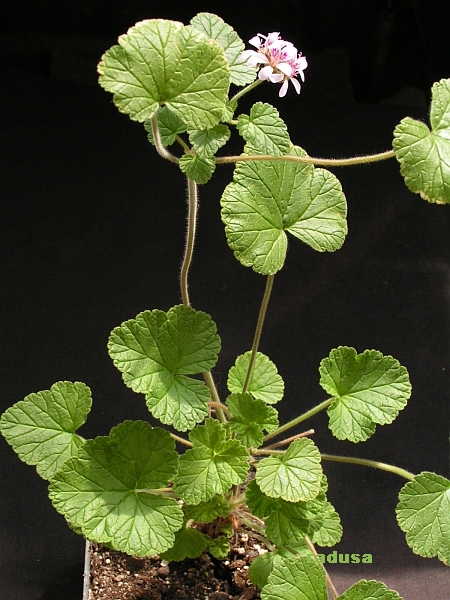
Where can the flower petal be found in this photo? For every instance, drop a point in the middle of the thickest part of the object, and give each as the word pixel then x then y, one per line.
pixel 283 89
pixel 255 41
pixel 297 85
pixel 276 77
pixel 265 73
pixel 285 68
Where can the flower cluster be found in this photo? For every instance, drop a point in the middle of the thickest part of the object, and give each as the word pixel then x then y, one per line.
pixel 282 59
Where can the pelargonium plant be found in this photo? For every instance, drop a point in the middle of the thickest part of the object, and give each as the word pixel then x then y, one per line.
pixel 132 490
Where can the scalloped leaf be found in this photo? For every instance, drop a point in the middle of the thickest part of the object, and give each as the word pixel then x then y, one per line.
pixel 109 490
pixel 369 590
pixel 423 513
pixel 265 383
pixel 157 351
pixel 215 28
pixel 41 428
pixel 268 198
pixel 163 62
pixel 219 547
pixel 265 130
pixel 169 126
pixel 424 155
pixel 263 565
pixel 206 512
pixel 197 168
pixel 206 142
pixel 189 543
pixel 329 531
pixel 249 418
pixel 300 579
pixel 212 466
pixel 294 475
pixel 368 389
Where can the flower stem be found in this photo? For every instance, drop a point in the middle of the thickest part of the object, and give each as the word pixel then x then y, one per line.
pixel 157 141
pixel 245 90
pixel 190 239
pixel 329 582
pixel 323 162
pixel 299 419
pixel 258 330
pixel 369 463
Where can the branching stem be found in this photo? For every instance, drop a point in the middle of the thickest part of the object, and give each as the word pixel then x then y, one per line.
pixel 245 90
pixel 291 439
pixel 369 463
pixel 299 419
pixel 258 330
pixel 215 400
pixel 322 162
pixel 190 239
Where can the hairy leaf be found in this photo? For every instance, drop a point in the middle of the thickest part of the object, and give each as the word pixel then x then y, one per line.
pixel 212 466
pixel 206 512
pixel 368 389
pixel 157 351
pixel 197 168
pixel 264 130
pixel 299 579
pixel 265 383
pixel 109 490
pixel 369 590
pixel 189 543
pixel 214 27
pixel 293 476
pixel 169 126
pixel 423 513
pixel 41 428
pixel 163 62
pixel 424 155
pixel 249 418
pixel 207 141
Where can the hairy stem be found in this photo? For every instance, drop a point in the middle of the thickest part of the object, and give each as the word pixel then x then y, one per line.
pixel 369 463
pixel 291 439
pixel 190 239
pixel 157 141
pixel 323 162
pixel 329 582
pixel 181 440
pixel 245 90
pixel 215 400
pixel 299 419
pixel 258 330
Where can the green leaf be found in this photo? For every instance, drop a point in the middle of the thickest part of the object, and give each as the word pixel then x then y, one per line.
pixel 212 466
pixel 169 127
pixel 41 428
pixel 329 531
pixel 264 130
pixel 215 28
pixel 250 418
pixel 423 513
pixel 163 62
pixel 263 565
pixel 265 383
pixel 299 579
pixel 259 504
pixel 424 155
pixel 288 524
pixel 207 141
pixel 367 388
pixel 206 512
pixel 197 168
pixel 109 490
pixel 189 543
pixel 369 590
pixel 293 476
pixel 268 198
pixel 219 547
pixel 156 351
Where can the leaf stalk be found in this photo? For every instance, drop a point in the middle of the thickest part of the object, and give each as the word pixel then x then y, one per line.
pixel 370 463
pixel 321 162
pixel 298 419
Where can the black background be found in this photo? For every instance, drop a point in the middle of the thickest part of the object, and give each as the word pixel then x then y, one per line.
pixel 92 226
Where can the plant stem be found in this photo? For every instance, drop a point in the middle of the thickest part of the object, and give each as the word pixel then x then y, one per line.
pixel 190 239
pixel 299 419
pixel 324 162
pixel 181 440
pixel 258 330
pixel 245 90
pixel 329 582
pixel 157 141
pixel 214 396
pixel 289 440
pixel 369 463
pixel 218 405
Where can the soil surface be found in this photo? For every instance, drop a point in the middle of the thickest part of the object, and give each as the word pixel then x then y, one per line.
pixel 117 576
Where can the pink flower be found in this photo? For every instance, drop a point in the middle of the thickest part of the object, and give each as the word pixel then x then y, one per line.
pixel 282 61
